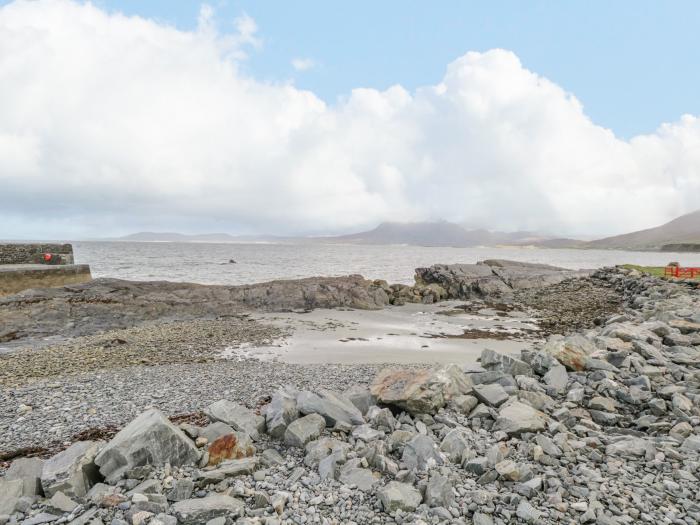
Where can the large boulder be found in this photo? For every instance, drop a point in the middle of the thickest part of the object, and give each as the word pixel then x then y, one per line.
pixel 332 406
pixel 150 439
pixel 10 492
pixel 304 430
pixel 237 416
pixel 516 418
pixel 72 471
pixel 29 471
pixel 235 445
pixel 492 360
pixel 572 351
pixel 420 391
pixel 281 411
pixel 201 510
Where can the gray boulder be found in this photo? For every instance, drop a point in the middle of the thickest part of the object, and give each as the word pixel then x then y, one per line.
pixel 516 418
pixel 200 510
pixel 237 416
pixel 454 444
pixel 571 351
pixel 438 492
pixel 362 478
pixel 150 439
pixel 492 360
pixel 361 397
pixel 557 378
pixel 420 391
pixel 72 471
pixel 492 394
pixel 29 471
pixel 10 492
pixel 399 496
pixel 421 454
pixel 281 411
pixel 333 407
pixel 304 430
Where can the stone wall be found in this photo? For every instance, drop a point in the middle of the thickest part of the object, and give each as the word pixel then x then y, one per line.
pixel 33 253
pixel 16 279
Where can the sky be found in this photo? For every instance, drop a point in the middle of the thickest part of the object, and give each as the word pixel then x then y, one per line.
pixel 575 118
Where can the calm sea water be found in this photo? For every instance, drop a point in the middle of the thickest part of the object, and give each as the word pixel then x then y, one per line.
pixel 207 263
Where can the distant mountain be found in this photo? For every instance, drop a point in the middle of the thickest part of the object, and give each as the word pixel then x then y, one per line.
pixel 199 237
pixel 684 230
pixel 441 233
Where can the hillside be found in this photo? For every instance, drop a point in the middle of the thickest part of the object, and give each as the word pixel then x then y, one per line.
pixel 441 233
pixel 683 230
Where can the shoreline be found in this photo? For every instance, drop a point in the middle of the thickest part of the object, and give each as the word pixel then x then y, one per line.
pixel 633 347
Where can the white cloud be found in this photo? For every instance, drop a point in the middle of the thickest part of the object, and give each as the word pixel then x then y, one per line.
pixel 303 64
pixel 111 123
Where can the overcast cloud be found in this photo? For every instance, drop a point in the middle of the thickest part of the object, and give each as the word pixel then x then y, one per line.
pixel 110 124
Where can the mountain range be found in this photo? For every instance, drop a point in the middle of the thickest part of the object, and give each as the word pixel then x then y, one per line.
pixel 681 234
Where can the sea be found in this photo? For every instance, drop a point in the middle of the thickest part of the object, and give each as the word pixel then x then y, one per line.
pixel 210 263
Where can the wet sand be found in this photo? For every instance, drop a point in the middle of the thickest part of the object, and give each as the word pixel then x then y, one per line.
pixel 447 332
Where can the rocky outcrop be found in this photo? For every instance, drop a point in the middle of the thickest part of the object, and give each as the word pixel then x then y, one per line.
pixel 492 279
pixel 105 304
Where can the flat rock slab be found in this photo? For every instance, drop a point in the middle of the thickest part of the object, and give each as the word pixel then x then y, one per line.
pixel 200 510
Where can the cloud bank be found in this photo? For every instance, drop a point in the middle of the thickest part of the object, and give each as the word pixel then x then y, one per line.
pixel 111 123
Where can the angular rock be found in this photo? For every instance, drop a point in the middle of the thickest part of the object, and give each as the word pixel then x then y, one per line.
pixel 438 492
pixel 493 394
pixel 214 431
pixel 182 489
pixel 304 429
pixel 516 418
pixel 454 444
pixel 334 408
pixel 464 403
pixel 29 471
pixel 492 360
pixel 235 445
pixel 150 439
pixel 571 351
pixel 10 492
pixel 419 391
pixel 237 416
pixel 281 411
pixel 362 478
pixel 421 454
pixel 361 397
pixel 72 471
pixel 200 510
pixel 557 378
pixel 61 504
pixel 399 496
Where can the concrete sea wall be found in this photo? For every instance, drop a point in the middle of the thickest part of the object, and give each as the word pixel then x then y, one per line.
pixel 24 266
pixel 16 253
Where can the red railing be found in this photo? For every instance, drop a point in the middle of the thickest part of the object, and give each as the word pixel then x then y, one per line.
pixel 678 271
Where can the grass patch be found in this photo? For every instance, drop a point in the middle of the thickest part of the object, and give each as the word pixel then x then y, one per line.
pixel 657 271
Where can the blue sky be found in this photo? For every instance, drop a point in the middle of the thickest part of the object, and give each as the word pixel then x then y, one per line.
pixel 633 64
pixel 571 118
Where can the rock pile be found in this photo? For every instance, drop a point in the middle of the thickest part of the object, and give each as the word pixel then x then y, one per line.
pixel 598 427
